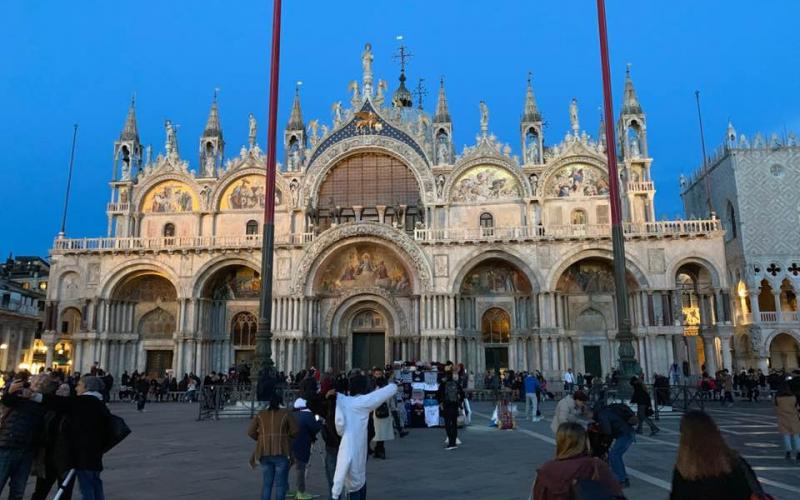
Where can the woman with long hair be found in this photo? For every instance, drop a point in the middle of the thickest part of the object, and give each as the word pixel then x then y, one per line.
pixel 557 479
pixel 788 420
pixel 706 468
pixel 272 429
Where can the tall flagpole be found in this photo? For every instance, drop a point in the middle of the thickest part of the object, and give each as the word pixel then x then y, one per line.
pixel 69 182
pixel 627 357
pixel 263 365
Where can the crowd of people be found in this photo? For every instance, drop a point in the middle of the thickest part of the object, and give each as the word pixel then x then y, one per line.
pixel 57 428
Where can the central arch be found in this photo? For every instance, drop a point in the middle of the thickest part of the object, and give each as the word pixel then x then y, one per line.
pixel 349 335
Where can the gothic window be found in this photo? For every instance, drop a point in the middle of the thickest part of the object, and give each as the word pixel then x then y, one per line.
pixel 578 217
pixel 495 326
pixel 251 228
pixel 731 221
pixel 169 230
pixel 369 180
pixel 70 320
pixel 243 329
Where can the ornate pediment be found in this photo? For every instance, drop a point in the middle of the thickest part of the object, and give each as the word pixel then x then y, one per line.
pixel 367 121
pixel 165 164
pixel 574 145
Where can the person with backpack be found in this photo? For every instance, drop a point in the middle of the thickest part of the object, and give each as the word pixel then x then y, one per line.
pixel 617 422
pixel 451 398
pixel 573 470
pixel 308 426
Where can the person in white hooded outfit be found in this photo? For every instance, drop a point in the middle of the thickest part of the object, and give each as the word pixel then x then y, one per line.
pixel 352 416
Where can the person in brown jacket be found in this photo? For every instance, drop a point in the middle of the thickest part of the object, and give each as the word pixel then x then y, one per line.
pixel 555 479
pixel 788 420
pixel 272 429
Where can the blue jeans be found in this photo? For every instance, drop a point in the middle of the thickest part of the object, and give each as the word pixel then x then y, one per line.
pixel 90 484
pixel 15 466
pixel 274 470
pixel 618 448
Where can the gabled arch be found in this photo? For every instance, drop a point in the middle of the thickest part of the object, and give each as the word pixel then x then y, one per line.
pixel 151 182
pixel 345 234
pixel 632 266
pixel 129 269
pixel 210 268
pixel 675 265
pixel 480 255
pixel 251 168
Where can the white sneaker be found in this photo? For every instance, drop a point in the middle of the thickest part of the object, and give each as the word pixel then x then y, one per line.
pixel 447 440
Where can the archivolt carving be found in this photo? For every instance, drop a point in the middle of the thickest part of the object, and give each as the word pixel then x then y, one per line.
pixel 383 231
pixel 334 154
pixel 380 292
pixel 255 168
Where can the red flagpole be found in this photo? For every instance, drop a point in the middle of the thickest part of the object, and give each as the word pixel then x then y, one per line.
pixel 627 360
pixel 263 359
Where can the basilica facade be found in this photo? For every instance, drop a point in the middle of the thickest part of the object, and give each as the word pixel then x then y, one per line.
pixel 390 245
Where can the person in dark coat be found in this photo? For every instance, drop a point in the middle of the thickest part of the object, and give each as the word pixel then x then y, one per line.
pixel 52 460
pixel 89 432
pixel 142 388
pixel 325 407
pixel 20 431
pixel 308 426
pixel 643 404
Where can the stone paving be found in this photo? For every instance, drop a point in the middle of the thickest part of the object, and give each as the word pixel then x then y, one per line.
pixel 171 455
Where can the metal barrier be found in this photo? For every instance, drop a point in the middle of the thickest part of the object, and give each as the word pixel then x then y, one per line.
pixel 233 401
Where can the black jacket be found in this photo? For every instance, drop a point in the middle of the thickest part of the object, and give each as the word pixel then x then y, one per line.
pixel 640 396
pixel 22 422
pixel 89 428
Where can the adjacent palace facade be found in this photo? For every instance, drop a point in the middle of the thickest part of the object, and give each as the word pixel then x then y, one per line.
pixel 390 245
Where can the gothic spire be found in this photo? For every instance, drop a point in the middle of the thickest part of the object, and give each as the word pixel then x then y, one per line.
pixel 296 116
pixel 442 113
pixel 130 131
pixel 531 111
pixel 213 127
pixel 630 104
pixel 601 130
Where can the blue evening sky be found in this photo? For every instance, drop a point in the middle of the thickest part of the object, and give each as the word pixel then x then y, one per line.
pixel 80 61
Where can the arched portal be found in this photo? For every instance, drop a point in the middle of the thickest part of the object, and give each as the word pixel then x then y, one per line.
pixel 784 353
pixel 696 308
pixel 228 309
pixel 496 301
pixel 368 329
pixel 495 333
pixel 586 310
pixel 146 304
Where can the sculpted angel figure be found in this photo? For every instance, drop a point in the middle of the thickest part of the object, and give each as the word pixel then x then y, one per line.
pixel 337 113
pixel 313 127
pixel 172 141
pixel 252 135
pixel 366 65
pixel 573 116
pixel 484 118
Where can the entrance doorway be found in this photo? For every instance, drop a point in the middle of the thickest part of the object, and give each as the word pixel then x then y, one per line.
pixel 591 360
pixel 369 340
pixel 496 359
pixel 158 362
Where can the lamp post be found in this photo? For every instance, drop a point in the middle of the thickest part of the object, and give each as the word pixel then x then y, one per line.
pixel 263 364
pixel 627 356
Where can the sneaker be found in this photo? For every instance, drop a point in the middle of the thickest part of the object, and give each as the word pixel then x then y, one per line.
pixel 403 434
pixel 654 432
pixel 451 447
pixel 291 494
pixel 304 496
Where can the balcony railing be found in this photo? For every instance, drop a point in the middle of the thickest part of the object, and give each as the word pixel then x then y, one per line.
pixel 569 231
pixel 640 186
pixel 774 317
pixel 167 243
pixel 452 234
pixel 118 207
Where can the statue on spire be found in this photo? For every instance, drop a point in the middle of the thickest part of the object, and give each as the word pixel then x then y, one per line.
pixel 573 116
pixel 484 119
pixel 172 141
pixel 366 65
pixel 252 135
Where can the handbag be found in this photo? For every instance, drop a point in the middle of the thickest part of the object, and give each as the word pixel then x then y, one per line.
pixel 117 431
